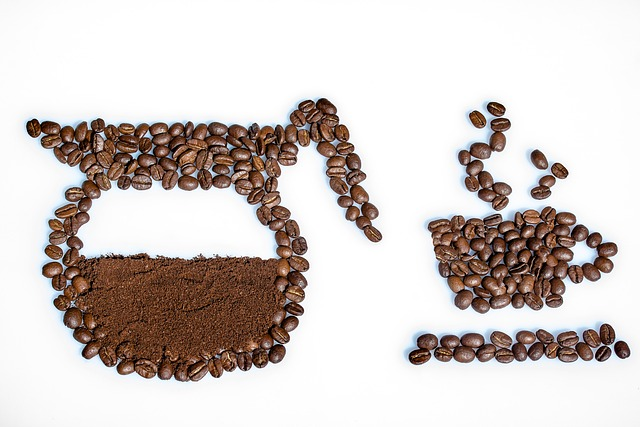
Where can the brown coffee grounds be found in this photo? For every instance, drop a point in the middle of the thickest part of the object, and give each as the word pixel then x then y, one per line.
pixel 180 308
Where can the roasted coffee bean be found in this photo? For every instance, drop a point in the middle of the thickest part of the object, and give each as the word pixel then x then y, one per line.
pixel 500 202
pixel 477 119
pixel 539 160
pixel 551 350
pixel 485 179
pixel 584 351
pixel 502 188
pixel 590 272
pixel 372 233
pixel 91 349
pixel 607 334
pixel 480 150
pixel 526 337
pixel 603 264
pixel 559 171
pixel 480 305
pixel 622 349
pixel 497 141
pixel 486 352
pixel 51 269
pixel 419 356
pixel 544 336
pixel 464 354
pixel 443 354
pixel 427 341
pixel 472 340
pixel 474 167
pixel 53 251
pixel 536 351
pixel 277 353
pixel 554 301
pixel 464 157
pixel 471 183
pixel 504 355
pixel 603 353
pixel 449 341
pixel 547 181
pixel 567 354
pixel 592 338
pixel 499 301
pixel 533 301
pixel 33 128
pixel 607 250
pixel 500 339
pixel 486 194
pixel 72 318
pixel 575 274
pixel 540 192
pixel 500 124
pixel 260 358
pixel 568 339
pixel 519 352
pixel 496 109
pixel 517 301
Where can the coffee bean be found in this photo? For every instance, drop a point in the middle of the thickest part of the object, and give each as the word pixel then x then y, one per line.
pixel 607 250
pixel 480 150
pixel 427 341
pixel 500 124
pixel 497 141
pixel 419 356
pixel 443 354
pixel 575 274
pixel 449 341
pixel 496 109
pixel 536 351
pixel 551 350
pixel 51 269
pixel 463 354
pixel 91 349
pixel 519 352
pixel 568 339
pixel 474 167
pixel 526 337
pixel 472 340
pixel 517 301
pixel 607 334
pixel 603 264
pixel 584 351
pixel 477 119
pixel 592 338
pixel 544 336
pixel 471 183
pixel 72 318
pixel 480 305
pixel 567 354
pixel 500 202
pixel 591 272
pixel 622 349
pixel 500 339
pixel 603 353
pixel 486 352
pixel 370 210
pixel 372 233
pixel 533 301
pixel 504 355
pixel 277 353
pixel 539 160
pixel 554 301
pixel 540 192
pixel 464 157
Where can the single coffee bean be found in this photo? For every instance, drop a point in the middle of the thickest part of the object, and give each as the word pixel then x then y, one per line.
pixel 463 299
pixel 622 349
pixel 126 367
pixel 500 202
pixel 449 341
pixel 547 181
pixel 497 141
pixel 500 124
pixel 559 171
pixel 519 352
pixel 500 339
pixel 427 341
pixel 473 340
pixel 464 157
pixel 533 301
pixel 603 264
pixel 419 356
pixel 540 192
pixel 568 339
pixel 477 119
pixel 496 109
pixel 73 318
pixel 554 301
pixel 539 160
pixel 607 334
pixel 474 167
pixel 51 269
pixel 551 350
pixel 480 150
pixel 471 183
pixel 260 358
pixel 372 233
pixel 607 250
pixel 480 305
pixel 536 351
pixel 517 301
pixel 526 337
pixel 502 188
pixel 504 355
pixel 443 354
pixel 544 336
pixel 464 354
pixel 91 349
pixel 584 351
pixel 594 240
pixel 590 272
pixel 592 338
pixel 567 354
pixel 486 194
pixel 603 353
pixel 575 274
pixel 277 353
pixel 486 352
pixel 244 361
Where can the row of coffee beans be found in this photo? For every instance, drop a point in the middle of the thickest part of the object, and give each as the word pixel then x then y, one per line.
pixel 493 262
pixel 190 156
pixel 566 346
pixel 558 170
pixel 479 180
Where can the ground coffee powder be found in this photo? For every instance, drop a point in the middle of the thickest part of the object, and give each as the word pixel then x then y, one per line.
pixel 180 309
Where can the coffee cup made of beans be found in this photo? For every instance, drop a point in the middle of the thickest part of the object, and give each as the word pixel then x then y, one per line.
pixel 177 318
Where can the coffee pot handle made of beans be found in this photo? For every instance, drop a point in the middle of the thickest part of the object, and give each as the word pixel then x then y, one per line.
pixel 209 155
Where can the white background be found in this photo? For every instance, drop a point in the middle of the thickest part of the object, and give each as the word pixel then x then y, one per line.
pixel 404 76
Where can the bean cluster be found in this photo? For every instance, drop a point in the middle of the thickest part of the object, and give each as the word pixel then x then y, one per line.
pixel 491 263
pixel 478 179
pixel 190 156
pixel 558 170
pixel 566 346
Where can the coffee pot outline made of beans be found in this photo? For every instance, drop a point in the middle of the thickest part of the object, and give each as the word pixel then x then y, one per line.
pixel 191 156
pixel 489 258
